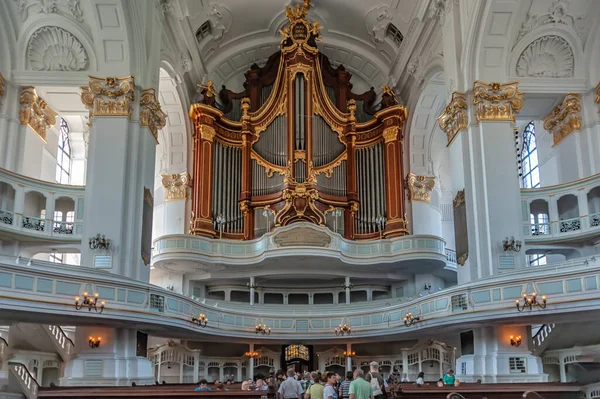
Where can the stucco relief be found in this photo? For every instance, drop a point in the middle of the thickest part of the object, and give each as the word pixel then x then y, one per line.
pixel 54 49
pixel 547 57
pixel 64 7
pixel 557 14
pixel 377 21
pixel 220 18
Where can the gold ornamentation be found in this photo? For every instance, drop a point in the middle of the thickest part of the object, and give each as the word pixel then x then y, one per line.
pixel 176 185
pixel 151 113
pixel 192 222
pixel 564 118
pixel 597 93
pixel 302 236
pixel 462 259
pixel 245 206
pixel 497 101
pixel 390 134
pixel 207 133
pixel 459 199
pixel 353 207
pixel 35 113
pixel 454 118
pixel 299 155
pixel 269 167
pixel 419 187
pixel 209 93
pixel 300 30
pixel 2 82
pixel 328 169
pixel 298 12
pixel 108 96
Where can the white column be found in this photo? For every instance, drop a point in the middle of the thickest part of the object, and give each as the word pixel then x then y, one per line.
pixel 251 290
pixel 369 294
pixel 12 133
pixel 196 367
pixel 250 371
pixel 584 212
pixel 239 372
pixel 158 372
pixel 348 358
pixel 404 362
pixel 563 369
pixel 181 373
pixel 221 373
pixel 347 287
pixel 228 294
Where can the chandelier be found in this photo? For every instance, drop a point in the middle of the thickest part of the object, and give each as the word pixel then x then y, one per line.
pixel 409 319
pixel 89 302
pixel 262 329
pixel 251 354
pixel 349 353
pixel 510 244
pixel 515 341
pixel 99 242
pixel 201 321
pixel 530 302
pixel 343 329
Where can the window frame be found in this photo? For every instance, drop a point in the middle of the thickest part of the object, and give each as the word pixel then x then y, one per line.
pixel 529 152
pixel 63 155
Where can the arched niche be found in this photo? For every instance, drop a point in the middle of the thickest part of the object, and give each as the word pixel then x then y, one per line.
pixel 539 214
pixel 568 213
pixel 7 198
pixel 35 205
pixel 593 198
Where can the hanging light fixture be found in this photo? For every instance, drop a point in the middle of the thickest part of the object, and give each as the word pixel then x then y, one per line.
pixel 251 354
pixel 349 354
pixel 94 342
pixel 515 341
pixel 409 319
pixel 343 329
pixel 262 329
pixel 201 321
pixel 89 302
pixel 530 302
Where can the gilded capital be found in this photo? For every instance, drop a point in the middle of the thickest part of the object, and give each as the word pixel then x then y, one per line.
pixel 175 185
pixel 419 187
pixel 207 133
pixel 564 118
pixel 35 113
pixel 108 96
pixel 497 101
pixel 2 82
pixel 454 118
pixel 390 134
pixel 151 113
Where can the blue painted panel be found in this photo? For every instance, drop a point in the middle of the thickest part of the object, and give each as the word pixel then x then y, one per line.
pixel 268 323
pixel 317 323
pixel 276 323
pixel 430 244
pixel 106 293
pixel 136 297
pixel 336 322
pixel 238 250
pixel 555 287
pixel 395 316
pixel 374 319
pixel 514 293
pixel 172 304
pixel 506 262
pixel 363 250
pixel 239 321
pixel 248 322
pixel 355 321
pixel 44 285
pixel 24 282
pixel 425 308
pixel 65 288
pixel 301 325
pixel 591 283
pixel 227 319
pixel 441 304
pixel 121 295
pixel 497 294
pixel 186 308
pixel 212 316
pixel 574 285
pixel 80 204
pixel 286 323
pixel 529 289
pixel 180 243
pixel 420 244
pixel 481 297
pixel 195 245
pixel 406 244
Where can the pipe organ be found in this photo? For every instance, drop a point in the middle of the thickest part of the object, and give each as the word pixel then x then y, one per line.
pixel 291 147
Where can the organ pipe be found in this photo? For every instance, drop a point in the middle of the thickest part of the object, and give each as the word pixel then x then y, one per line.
pixel 370 171
pixel 227 184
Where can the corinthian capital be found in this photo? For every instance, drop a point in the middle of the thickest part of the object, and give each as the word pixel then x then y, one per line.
pixel 176 185
pixel 497 101
pixel 419 187
pixel 35 113
pixel 108 96
pixel 564 118
pixel 454 118
pixel 151 113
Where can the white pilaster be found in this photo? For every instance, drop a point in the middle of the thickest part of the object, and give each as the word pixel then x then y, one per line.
pixel 250 371
pixel 347 288
pixel 251 290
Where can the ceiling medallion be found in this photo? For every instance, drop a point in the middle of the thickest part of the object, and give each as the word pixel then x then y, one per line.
pixel 54 49
pixel 547 57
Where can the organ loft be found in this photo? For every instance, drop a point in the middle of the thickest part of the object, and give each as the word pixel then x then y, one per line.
pixel 298 145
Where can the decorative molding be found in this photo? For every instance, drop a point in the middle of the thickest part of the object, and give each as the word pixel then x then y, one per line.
pixel 185 62
pixel 547 57
pixel 3 81
pixel 557 14
pixel 207 133
pixel 564 118
pixel 419 187
pixel 597 93
pixel 176 185
pixel 54 49
pixel 497 101
pixel 390 134
pixel 438 10
pixel 151 113
pixel 302 236
pixel 108 96
pixel 35 113
pixel 26 8
pixel 377 20
pixel 454 118
pixel 220 18
pixel 459 199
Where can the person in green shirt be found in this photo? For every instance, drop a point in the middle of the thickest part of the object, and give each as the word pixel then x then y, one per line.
pixel 315 390
pixel 449 378
pixel 359 388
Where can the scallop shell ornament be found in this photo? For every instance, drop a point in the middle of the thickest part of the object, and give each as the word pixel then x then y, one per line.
pixel 54 49
pixel 547 57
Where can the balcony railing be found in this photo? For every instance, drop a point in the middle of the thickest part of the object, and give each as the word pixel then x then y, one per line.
pixel 450 255
pixel 27 206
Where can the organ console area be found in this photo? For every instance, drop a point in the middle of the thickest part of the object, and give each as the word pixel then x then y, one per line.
pixel 297 145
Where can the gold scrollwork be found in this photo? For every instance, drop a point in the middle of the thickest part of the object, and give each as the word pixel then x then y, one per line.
pixel 454 118
pixel 245 206
pixel 564 118
pixel 176 185
pixel 459 199
pixel 269 167
pixel 207 133
pixel 597 93
pixel 419 187
pixel 35 113
pixel 497 101
pixel 390 134
pixel 108 96
pixel 328 169
pixel 151 113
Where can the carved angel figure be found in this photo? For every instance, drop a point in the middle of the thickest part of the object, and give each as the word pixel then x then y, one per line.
pixel 209 93
pixel 388 98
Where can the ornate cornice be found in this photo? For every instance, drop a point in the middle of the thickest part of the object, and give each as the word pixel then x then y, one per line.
pixel 207 133
pixel 454 118
pixel 2 82
pixel 151 113
pixel 390 134
pixel 35 113
pixel 108 96
pixel 497 101
pixel 564 118
pixel 419 187
pixel 176 185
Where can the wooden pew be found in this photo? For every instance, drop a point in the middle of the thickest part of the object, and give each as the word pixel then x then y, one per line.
pixel 172 391
pixel 489 391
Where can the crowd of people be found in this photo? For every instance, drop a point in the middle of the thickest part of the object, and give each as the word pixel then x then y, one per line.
pixel 328 385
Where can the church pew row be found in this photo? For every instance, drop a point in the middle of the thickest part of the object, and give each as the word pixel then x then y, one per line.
pixel 173 391
pixel 489 391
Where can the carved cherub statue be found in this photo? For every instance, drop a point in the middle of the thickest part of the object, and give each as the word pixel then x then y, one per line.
pixel 209 93
pixel 388 98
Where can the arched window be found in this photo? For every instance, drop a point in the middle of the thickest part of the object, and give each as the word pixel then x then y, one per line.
pixel 529 158
pixel 63 157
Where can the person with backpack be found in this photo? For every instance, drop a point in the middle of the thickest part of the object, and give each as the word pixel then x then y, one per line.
pixel 376 381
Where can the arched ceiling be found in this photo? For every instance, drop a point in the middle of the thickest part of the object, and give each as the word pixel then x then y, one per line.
pixel 354 34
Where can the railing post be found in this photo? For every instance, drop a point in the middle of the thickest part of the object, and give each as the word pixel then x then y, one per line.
pixel 584 213
pixel 554 218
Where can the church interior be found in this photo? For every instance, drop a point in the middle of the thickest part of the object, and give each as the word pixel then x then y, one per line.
pixel 217 192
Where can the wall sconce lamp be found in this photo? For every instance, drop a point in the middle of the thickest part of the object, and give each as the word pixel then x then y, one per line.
pixel 530 302
pixel 251 354
pixel 510 244
pixel 94 342
pixel 201 321
pixel 99 242
pixel 409 319
pixel 89 302
pixel 343 329
pixel 515 341
pixel 263 329
pixel 349 354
